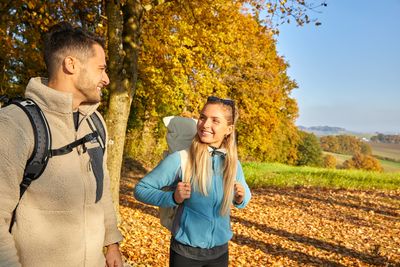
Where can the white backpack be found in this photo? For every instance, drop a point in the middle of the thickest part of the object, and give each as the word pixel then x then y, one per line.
pixel 179 137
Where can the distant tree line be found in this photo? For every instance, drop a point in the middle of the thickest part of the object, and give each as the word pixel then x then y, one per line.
pixel 310 152
pixel 387 139
pixel 344 144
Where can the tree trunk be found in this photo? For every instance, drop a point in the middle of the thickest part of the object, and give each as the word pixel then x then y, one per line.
pixel 4 32
pixel 123 44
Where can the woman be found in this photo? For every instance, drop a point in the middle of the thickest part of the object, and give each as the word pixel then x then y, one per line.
pixel 216 181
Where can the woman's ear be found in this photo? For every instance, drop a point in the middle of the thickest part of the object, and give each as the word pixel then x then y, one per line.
pixel 229 130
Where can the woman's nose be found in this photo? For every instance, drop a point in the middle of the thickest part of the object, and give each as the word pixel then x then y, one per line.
pixel 207 123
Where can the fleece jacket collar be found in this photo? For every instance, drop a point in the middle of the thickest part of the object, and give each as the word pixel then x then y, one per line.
pixel 52 100
pixel 216 151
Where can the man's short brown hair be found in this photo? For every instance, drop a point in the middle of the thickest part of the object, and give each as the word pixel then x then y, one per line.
pixel 62 40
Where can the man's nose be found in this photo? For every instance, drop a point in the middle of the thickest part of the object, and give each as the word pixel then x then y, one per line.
pixel 106 80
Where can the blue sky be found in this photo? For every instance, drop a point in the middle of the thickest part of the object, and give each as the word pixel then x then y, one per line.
pixel 347 69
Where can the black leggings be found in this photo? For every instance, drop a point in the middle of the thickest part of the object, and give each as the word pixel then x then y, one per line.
pixel 177 260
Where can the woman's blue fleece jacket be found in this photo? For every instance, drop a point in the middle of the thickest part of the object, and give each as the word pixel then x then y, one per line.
pixel 201 224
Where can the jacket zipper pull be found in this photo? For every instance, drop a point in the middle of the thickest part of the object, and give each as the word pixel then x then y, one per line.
pixel 90 165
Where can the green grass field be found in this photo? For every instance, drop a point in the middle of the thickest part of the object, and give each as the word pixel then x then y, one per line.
pixel 276 174
pixel 390 166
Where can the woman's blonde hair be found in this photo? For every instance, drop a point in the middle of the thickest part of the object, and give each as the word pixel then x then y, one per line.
pixel 199 165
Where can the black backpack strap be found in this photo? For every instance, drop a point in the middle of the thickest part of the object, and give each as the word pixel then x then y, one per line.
pixel 97 131
pixel 40 154
pixel 68 148
pixel 98 134
pixel 97 154
pixel 99 127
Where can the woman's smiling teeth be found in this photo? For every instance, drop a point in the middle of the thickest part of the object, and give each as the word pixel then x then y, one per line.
pixel 205 132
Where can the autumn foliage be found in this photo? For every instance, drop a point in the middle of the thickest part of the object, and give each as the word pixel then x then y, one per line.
pixel 164 58
pixel 21 27
pixel 329 161
pixel 364 162
pixel 344 144
pixel 194 49
pixel 187 51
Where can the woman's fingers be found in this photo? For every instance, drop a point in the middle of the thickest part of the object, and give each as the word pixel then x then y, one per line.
pixel 182 192
pixel 238 193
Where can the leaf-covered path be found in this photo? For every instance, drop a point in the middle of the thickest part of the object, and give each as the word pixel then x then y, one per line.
pixel 284 227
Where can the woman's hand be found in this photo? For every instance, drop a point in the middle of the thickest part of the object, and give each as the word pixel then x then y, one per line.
pixel 182 192
pixel 238 193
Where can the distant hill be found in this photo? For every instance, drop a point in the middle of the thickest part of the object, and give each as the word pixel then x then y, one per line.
pixel 329 130
pixel 323 130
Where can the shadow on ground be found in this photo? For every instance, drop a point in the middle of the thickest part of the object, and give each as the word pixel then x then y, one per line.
pixel 354 203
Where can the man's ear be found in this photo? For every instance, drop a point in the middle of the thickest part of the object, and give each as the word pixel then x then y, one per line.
pixel 70 64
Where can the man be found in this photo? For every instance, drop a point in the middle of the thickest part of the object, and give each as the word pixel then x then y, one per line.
pixel 66 216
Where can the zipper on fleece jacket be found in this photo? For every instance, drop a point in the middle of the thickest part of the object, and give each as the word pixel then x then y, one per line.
pixel 84 168
pixel 214 198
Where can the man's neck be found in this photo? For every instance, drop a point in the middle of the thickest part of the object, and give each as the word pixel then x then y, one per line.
pixel 63 85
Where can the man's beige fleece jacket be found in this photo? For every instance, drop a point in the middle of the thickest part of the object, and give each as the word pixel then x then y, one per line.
pixel 58 222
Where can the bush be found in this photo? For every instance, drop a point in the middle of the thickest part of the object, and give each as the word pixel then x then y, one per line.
pixel 364 162
pixel 329 162
pixel 309 150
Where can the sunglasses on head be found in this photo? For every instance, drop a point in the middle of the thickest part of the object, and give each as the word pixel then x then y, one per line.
pixel 228 102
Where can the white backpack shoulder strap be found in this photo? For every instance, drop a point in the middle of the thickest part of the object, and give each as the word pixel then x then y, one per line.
pixel 184 154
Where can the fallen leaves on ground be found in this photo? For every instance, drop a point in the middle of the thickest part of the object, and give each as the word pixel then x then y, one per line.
pixel 284 227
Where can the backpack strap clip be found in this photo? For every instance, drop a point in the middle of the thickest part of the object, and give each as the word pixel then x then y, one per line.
pixel 68 148
pixel 26 182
